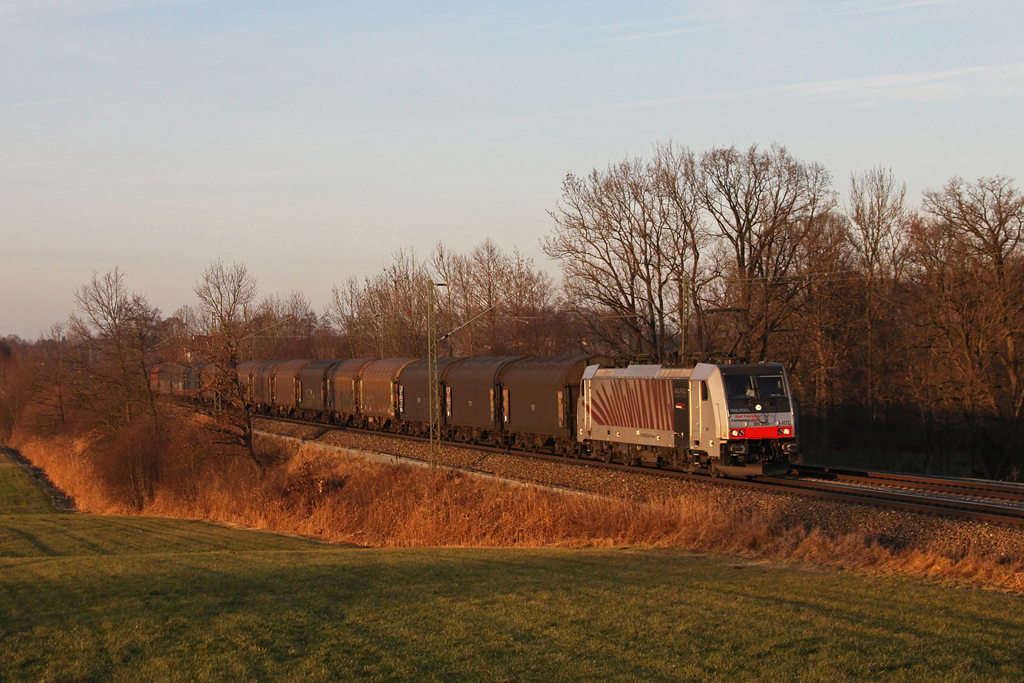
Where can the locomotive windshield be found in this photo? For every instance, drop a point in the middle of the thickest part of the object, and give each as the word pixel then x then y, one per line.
pixel 754 386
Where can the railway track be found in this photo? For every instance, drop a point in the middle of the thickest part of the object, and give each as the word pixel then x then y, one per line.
pixel 950 485
pixel 989 502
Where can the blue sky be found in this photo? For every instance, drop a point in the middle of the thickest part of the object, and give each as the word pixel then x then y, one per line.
pixel 311 140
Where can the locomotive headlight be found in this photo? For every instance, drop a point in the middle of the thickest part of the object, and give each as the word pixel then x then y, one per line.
pixel 785 431
pixel 736 432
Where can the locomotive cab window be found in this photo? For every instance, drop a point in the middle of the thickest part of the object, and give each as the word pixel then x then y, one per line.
pixel 754 386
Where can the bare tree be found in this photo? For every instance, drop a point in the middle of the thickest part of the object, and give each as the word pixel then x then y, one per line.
pixel 765 204
pixel 343 315
pixel 8 402
pixel 971 278
pixel 115 328
pixel 289 326
pixel 227 319
pixel 676 179
pixel 51 385
pixel 878 217
pixel 623 236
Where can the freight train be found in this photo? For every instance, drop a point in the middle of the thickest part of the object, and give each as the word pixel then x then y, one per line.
pixel 732 420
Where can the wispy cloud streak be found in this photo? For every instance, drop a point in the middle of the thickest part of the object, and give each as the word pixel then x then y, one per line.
pixel 986 81
pixel 669 32
pixel 893 7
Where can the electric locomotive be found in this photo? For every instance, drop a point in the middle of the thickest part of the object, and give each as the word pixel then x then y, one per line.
pixel 735 420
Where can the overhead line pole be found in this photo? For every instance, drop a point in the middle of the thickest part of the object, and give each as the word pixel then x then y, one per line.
pixel 432 378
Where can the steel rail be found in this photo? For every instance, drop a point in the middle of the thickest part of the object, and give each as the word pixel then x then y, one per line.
pixel 965 509
pixel 929 505
pixel 967 487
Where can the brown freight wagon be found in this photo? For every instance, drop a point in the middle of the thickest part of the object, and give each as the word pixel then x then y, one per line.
pixel 245 378
pixel 159 378
pixel 378 390
pixel 208 381
pixel 313 390
pixel 414 392
pixel 473 397
pixel 343 384
pixel 262 391
pixel 284 385
pixel 539 399
pixel 174 379
pixel 189 380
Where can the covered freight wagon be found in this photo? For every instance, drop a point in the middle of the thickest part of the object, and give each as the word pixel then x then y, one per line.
pixel 343 384
pixel 473 396
pixel 539 398
pixel 245 377
pixel 262 392
pixel 378 389
pixel 284 387
pixel 313 389
pixel 414 388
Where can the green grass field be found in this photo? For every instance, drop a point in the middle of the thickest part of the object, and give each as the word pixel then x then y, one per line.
pixel 18 495
pixel 140 599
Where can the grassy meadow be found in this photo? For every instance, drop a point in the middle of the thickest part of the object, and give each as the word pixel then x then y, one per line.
pixel 98 598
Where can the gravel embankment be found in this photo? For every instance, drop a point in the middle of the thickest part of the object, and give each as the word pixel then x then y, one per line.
pixel 951 537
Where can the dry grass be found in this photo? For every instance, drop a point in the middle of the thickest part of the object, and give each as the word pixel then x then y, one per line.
pixel 349 500
pixel 66 462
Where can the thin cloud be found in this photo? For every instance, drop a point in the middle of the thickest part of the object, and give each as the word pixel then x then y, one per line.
pixel 747 12
pixel 1004 80
pixel 662 34
pixel 913 4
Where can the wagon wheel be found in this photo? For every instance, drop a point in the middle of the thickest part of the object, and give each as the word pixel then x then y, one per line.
pixel 606 454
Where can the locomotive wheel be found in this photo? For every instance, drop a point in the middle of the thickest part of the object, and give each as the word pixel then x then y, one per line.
pixel 606 455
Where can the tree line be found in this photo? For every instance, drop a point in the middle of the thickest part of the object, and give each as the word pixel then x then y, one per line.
pixel 901 326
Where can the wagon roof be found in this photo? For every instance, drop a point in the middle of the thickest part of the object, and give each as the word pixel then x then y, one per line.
pixel 349 368
pixel 291 366
pixel 318 366
pixel 245 368
pixel 479 366
pixel 418 369
pixel 385 368
pixel 266 368
pixel 548 369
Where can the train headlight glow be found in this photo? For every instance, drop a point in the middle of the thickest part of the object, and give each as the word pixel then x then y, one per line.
pixel 785 431
pixel 736 432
